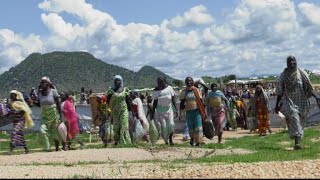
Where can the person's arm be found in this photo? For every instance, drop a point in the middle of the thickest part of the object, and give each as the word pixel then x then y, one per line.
pixel 154 107
pixel 175 106
pixel 37 100
pixel 182 105
pixel 57 101
pixel 277 108
pixel 129 103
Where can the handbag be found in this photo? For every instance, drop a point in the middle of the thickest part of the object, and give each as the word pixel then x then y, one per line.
pixel 208 129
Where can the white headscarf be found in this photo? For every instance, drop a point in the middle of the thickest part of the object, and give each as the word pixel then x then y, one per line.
pixel 46 78
pixel 113 84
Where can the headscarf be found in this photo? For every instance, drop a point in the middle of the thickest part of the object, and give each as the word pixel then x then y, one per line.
pixel 113 84
pixel 45 78
pixel 22 105
pixel 291 77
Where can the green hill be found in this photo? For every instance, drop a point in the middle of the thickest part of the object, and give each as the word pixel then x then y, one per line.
pixel 70 71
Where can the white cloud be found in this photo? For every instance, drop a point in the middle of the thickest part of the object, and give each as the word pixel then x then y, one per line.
pixel 14 48
pixel 255 36
pixel 311 13
pixel 196 16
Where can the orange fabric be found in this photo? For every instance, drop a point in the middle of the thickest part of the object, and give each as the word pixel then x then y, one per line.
pixel 262 116
pixel 199 103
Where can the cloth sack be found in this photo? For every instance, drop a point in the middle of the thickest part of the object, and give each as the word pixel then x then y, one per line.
pixel 62 129
pixel 208 129
pixel 282 119
pixel 154 133
pixel 137 131
pixel 109 131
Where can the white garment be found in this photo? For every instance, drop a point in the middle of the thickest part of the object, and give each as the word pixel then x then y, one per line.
pixel 141 114
pixel 164 98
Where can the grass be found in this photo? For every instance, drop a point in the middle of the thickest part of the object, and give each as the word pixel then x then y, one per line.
pixel 269 148
pixel 274 147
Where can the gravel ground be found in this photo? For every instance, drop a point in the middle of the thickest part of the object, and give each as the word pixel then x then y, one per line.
pixel 128 163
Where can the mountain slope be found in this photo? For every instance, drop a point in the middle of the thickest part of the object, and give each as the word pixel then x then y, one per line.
pixel 70 71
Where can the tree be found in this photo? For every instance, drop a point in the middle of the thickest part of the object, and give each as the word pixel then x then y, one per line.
pixel 178 83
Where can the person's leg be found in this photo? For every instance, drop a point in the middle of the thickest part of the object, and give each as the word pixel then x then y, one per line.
pixel 295 130
pixel 186 135
pixel 198 132
pixel 56 144
pixel 170 126
pixel 10 148
pixel 102 132
pixel 26 150
pixel 297 141
pixel 190 124
pixel 219 128
pixel 164 130
pixel 63 145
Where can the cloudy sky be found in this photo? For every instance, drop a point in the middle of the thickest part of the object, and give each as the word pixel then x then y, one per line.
pixel 179 37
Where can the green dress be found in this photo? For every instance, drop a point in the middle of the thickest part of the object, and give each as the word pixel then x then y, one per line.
pixel 119 113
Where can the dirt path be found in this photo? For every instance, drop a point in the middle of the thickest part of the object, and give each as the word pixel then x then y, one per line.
pixel 129 163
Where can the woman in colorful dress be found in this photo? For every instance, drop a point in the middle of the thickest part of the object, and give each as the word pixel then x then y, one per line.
pixel 216 109
pixel 195 113
pixel 119 104
pixel 232 110
pixel 164 100
pixel 102 118
pixel 71 118
pixel 261 109
pixel 22 113
pixel 242 118
pixel 51 116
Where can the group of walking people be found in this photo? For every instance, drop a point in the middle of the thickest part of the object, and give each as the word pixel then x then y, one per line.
pixel 59 121
pixel 199 103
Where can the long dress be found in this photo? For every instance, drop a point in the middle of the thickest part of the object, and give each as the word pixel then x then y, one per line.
pixel 119 113
pixel 71 117
pixel 296 89
pixel 262 116
pixel 165 112
pixel 242 119
pixel 17 135
pixel 193 116
pixel 20 121
pixel 216 109
pixel 50 119
pixel 232 113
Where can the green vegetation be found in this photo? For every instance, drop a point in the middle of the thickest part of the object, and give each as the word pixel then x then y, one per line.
pixel 70 71
pixel 274 147
pixel 314 78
